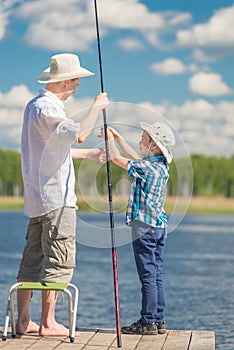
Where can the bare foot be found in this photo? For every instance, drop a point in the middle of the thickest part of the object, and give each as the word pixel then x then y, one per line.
pixel 55 330
pixel 28 327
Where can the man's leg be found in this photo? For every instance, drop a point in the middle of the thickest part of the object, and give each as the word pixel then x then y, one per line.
pixel 48 325
pixel 58 245
pixel 24 323
pixel 29 270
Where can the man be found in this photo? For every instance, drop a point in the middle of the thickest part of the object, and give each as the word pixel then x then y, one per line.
pixel 49 197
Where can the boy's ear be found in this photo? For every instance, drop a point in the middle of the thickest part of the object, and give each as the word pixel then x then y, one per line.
pixel 156 149
pixel 155 146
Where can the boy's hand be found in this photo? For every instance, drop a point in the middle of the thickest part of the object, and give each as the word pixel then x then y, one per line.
pixel 110 135
pixel 115 133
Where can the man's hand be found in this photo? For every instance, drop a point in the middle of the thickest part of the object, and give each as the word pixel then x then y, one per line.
pixel 94 154
pixel 97 155
pixel 101 101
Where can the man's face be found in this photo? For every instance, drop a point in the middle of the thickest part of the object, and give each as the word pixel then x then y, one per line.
pixel 70 87
pixel 73 85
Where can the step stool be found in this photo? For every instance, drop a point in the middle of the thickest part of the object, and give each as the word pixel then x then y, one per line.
pixel 63 287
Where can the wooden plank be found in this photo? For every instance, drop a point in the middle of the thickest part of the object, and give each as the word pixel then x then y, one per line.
pixel 48 343
pixel 80 342
pixel 177 340
pixel 202 340
pixel 85 336
pixel 4 343
pixel 20 343
pixel 152 342
pixel 128 342
pixel 102 339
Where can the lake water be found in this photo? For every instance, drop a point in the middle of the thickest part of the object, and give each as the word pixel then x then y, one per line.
pixel 198 270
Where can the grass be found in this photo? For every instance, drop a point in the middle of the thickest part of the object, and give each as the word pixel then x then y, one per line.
pixel 11 203
pixel 198 205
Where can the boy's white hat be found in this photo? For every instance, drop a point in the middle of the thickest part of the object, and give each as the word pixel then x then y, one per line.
pixel 63 66
pixel 163 136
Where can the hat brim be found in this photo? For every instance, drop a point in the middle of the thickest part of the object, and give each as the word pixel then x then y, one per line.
pixel 165 151
pixel 46 77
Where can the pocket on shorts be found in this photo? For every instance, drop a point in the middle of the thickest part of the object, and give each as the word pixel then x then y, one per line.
pixel 62 253
pixel 61 246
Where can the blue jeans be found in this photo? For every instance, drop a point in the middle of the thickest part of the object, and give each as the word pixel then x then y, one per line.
pixel 148 246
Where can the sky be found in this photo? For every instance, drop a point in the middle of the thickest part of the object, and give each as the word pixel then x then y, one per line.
pixel 161 59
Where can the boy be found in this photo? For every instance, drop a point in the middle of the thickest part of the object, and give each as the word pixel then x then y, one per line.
pixel 147 218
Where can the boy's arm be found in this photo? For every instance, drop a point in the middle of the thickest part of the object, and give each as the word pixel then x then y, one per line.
pixel 114 153
pixel 128 150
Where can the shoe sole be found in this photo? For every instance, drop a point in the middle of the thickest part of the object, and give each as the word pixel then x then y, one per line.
pixel 140 333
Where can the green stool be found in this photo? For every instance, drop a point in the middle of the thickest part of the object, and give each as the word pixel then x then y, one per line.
pixel 63 287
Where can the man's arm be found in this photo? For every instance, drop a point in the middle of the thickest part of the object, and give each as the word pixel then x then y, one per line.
pixel 88 122
pixel 94 154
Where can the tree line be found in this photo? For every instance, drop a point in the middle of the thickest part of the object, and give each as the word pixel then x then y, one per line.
pixel 203 175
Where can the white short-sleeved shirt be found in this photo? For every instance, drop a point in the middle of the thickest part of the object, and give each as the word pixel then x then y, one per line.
pixel 47 167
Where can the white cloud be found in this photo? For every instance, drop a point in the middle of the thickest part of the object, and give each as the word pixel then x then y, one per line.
pixel 130 44
pixel 204 127
pixel 200 124
pixel 16 97
pixel 66 25
pixel 208 84
pixel 172 66
pixel 11 115
pixel 58 25
pixel 6 7
pixel 213 39
pixel 12 104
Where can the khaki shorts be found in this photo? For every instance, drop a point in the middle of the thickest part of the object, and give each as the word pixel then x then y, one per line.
pixel 50 250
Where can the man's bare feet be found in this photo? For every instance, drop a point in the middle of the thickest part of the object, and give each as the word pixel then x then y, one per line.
pixel 27 327
pixel 55 329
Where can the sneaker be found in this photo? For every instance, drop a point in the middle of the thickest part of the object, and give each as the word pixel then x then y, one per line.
pixel 161 326
pixel 141 328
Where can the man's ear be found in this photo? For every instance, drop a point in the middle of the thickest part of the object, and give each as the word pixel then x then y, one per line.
pixel 66 83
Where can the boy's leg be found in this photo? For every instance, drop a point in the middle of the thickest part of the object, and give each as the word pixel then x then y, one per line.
pixel 159 275
pixel 144 252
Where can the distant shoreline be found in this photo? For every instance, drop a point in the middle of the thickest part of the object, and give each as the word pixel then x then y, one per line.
pixel 198 205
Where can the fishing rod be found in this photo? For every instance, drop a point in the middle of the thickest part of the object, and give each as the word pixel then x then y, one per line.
pixel 113 245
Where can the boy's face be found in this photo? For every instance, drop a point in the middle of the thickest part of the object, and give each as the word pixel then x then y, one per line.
pixel 145 143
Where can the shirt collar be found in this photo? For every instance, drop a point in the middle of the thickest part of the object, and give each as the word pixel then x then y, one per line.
pixel 157 157
pixel 52 96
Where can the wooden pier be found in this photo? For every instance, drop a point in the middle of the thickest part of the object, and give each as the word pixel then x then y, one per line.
pixel 104 339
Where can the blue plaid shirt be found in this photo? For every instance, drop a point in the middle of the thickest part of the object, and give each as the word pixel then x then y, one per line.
pixel 149 177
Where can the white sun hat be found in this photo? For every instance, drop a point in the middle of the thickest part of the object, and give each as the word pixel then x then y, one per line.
pixel 163 136
pixel 63 66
